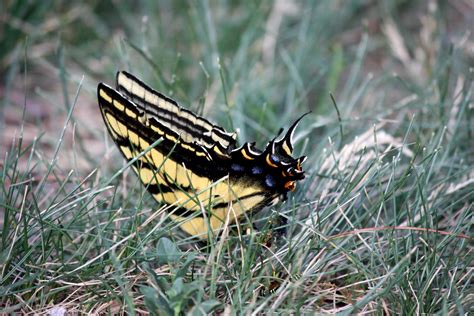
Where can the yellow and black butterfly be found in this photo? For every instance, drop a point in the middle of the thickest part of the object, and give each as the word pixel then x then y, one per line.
pixel 197 167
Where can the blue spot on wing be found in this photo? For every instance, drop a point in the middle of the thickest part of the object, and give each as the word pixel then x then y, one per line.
pixel 269 181
pixel 257 170
pixel 237 167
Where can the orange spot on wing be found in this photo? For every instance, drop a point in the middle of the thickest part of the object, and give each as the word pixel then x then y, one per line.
pixel 290 185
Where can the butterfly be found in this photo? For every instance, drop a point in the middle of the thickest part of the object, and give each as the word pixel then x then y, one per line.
pixel 195 166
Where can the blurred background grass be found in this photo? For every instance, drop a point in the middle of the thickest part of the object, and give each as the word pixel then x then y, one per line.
pixel 400 73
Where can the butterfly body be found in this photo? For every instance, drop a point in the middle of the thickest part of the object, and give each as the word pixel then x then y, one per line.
pixel 197 166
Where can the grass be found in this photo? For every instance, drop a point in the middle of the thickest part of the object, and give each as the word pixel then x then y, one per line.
pixel 381 224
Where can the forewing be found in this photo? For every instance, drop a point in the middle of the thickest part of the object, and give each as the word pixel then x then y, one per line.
pixel 190 127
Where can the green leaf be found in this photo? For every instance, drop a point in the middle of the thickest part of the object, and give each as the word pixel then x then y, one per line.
pixel 177 287
pixel 167 251
pixel 155 302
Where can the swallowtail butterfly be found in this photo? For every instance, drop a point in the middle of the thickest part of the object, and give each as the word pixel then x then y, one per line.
pixel 197 167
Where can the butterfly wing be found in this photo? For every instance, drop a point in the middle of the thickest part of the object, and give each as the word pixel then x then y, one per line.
pixel 191 128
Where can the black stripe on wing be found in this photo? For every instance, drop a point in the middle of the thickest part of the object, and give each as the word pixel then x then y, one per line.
pixel 196 161
pixel 174 116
